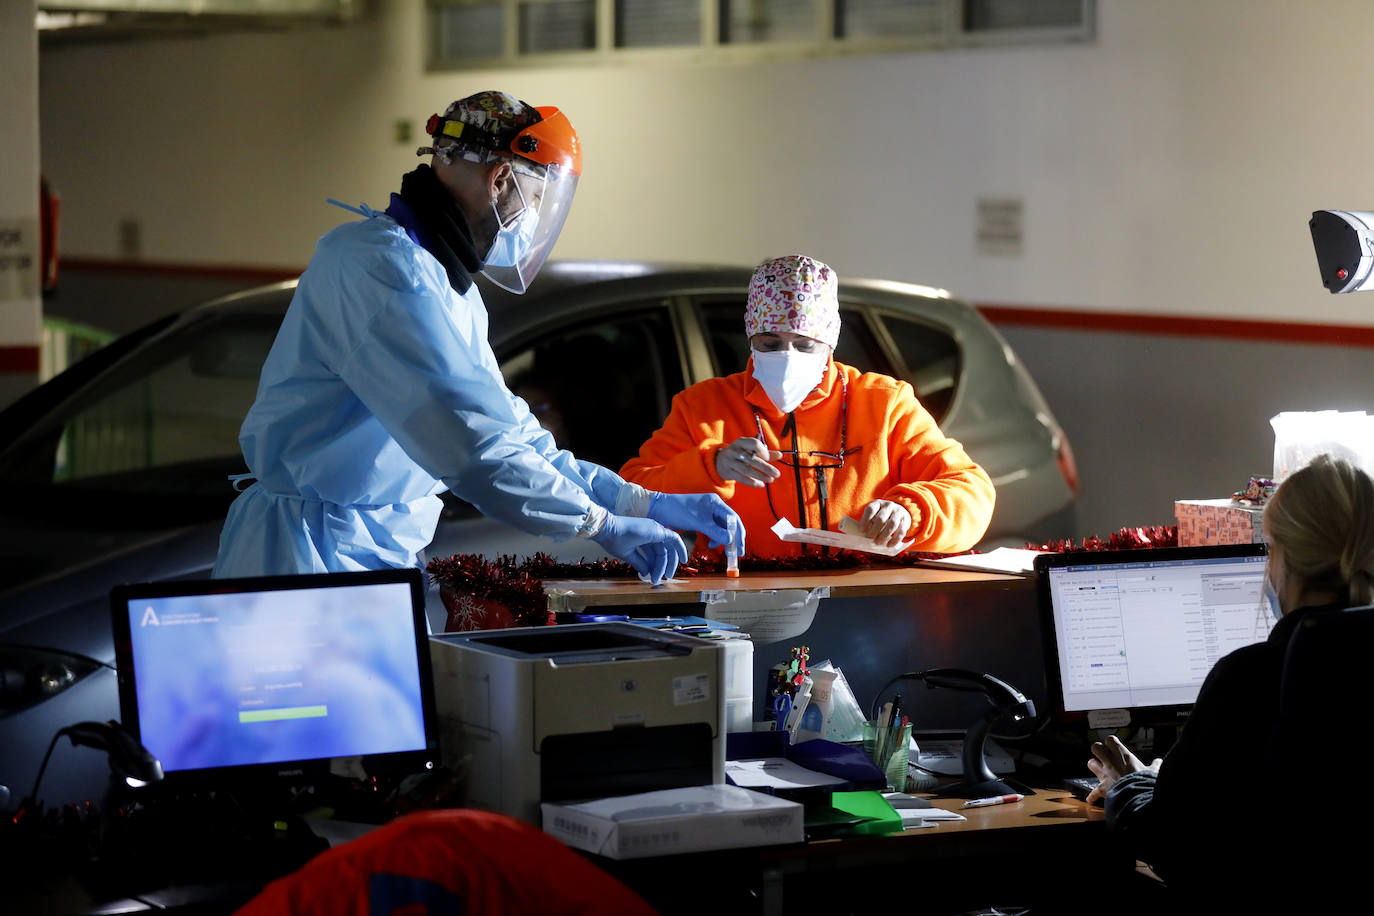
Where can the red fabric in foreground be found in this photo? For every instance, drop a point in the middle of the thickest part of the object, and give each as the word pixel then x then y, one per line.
pixel 449 862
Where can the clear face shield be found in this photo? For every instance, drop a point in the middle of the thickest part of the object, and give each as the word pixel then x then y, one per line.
pixel 538 206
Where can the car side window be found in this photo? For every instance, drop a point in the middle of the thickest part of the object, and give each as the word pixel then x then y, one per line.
pixel 179 405
pixel 603 387
pixel 724 323
pixel 933 361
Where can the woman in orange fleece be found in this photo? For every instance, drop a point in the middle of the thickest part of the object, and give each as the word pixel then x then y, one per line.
pixel 800 436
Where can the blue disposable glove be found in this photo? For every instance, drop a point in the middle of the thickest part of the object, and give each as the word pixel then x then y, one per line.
pixel 704 512
pixel 651 549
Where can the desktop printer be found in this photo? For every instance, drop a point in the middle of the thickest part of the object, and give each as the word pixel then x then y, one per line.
pixel 578 711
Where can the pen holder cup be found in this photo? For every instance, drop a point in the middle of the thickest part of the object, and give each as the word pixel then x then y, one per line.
pixel 889 748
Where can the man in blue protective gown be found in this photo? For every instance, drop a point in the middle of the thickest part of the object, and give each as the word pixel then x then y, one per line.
pixel 381 389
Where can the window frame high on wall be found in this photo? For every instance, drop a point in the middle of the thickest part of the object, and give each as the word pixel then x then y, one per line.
pixel 951 24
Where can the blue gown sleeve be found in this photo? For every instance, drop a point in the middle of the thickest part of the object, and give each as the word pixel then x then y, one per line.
pixel 424 368
pixel 602 483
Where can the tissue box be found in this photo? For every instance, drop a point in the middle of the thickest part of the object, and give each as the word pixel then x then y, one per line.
pixel 673 821
pixel 1217 521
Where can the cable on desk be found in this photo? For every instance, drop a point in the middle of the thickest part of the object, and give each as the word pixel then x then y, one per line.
pixel 1038 724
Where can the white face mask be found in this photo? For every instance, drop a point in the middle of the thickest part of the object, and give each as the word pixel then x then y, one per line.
pixel 512 240
pixel 788 376
pixel 1272 597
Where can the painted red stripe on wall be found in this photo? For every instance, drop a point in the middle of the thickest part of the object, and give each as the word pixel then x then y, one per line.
pixel 19 359
pixel 246 273
pixel 1008 315
pixel 1180 325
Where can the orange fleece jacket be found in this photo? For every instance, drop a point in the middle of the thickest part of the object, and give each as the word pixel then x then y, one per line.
pixel 896 452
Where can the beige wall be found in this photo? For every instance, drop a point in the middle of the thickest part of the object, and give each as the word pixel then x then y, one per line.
pixel 1170 165
pixel 19 298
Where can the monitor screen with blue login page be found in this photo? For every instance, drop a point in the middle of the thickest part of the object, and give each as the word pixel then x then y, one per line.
pixel 273 672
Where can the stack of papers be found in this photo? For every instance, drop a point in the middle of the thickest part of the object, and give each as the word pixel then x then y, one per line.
pixel 919 812
pixel 675 821
pixel 774 773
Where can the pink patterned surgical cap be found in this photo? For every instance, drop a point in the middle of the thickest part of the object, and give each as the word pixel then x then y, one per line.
pixel 794 293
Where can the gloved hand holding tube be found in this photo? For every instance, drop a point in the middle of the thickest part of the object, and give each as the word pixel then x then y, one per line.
pixel 653 550
pixel 703 512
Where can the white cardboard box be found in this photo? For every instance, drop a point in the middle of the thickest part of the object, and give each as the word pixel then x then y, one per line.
pixel 675 820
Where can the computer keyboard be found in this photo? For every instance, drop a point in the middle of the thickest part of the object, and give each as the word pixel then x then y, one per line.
pixel 1080 786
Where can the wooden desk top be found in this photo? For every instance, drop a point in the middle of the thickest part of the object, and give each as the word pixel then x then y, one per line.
pixel 1022 852
pixel 852 583
pixel 1048 807
pixel 1045 807
pixel 1054 815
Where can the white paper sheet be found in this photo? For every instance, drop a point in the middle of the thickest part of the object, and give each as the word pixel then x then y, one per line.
pixel 786 531
pixel 770 615
pixel 915 818
pixel 776 773
pixel 936 814
pixel 1010 560
pixel 919 812
pixel 900 800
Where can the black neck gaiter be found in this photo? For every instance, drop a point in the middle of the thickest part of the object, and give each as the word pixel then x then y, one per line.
pixel 444 231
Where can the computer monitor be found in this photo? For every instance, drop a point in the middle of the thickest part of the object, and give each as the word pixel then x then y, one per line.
pixel 1138 630
pixel 237 679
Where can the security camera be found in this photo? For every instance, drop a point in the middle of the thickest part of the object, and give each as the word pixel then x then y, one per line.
pixel 1344 240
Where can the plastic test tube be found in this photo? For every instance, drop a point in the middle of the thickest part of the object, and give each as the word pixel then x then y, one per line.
pixel 732 560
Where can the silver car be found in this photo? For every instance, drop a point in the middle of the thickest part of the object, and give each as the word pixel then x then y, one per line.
pixel 116 470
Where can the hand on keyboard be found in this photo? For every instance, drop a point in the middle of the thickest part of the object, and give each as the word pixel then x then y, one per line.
pixel 1081 786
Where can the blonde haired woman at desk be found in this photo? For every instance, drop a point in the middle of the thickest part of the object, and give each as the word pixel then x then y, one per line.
pixel 1229 818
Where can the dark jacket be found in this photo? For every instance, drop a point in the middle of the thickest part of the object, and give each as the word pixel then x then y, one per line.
pixel 1231 815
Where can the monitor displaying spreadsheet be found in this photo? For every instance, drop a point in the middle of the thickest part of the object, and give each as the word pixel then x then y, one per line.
pixel 1141 629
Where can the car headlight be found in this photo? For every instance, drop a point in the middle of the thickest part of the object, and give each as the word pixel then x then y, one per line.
pixel 29 676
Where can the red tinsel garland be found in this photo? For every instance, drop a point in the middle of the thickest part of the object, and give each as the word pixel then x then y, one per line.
pixel 519 585
pixel 1125 539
